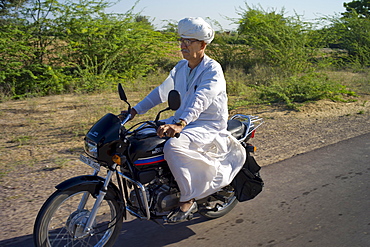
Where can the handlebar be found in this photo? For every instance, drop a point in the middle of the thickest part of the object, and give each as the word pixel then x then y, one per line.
pixel 159 123
pixel 125 117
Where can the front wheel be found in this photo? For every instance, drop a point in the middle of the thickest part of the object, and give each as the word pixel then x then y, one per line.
pixel 61 220
pixel 219 203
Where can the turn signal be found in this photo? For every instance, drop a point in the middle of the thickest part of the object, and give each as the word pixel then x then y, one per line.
pixel 116 159
pixel 251 148
pixel 119 160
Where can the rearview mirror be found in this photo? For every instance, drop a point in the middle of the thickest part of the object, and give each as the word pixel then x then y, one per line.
pixel 121 92
pixel 174 100
pixel 123 97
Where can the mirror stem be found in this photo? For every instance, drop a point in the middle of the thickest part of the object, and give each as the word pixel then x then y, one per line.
pixel 159 113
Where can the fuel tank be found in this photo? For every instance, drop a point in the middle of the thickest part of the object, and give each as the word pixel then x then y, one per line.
pixel 146 150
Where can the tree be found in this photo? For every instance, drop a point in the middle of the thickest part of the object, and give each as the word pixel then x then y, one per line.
pixel 351 32
pixel 7 5
pixel 353 35
pixel 143 20
pixel 9 10
pixel 57 46
pixel 14 60
pixel 360 7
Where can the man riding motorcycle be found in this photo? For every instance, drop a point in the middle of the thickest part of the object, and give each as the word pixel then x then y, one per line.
pixel 205 157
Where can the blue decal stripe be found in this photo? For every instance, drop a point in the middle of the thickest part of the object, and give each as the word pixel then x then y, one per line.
pixel 149 161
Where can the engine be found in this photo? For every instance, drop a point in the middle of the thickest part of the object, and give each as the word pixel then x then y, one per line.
pixel 166 198
pixel 161 196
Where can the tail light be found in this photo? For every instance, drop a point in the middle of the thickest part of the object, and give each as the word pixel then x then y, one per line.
pixel 252 134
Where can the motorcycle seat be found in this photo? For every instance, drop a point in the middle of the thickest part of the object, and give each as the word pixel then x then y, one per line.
pixel 236 128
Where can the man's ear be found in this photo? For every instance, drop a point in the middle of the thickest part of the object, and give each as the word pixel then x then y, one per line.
pixel 203 45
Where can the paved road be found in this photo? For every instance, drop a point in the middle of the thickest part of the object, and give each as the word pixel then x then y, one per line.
pixel 320 198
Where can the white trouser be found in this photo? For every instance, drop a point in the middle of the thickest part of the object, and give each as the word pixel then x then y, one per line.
pixel 197 173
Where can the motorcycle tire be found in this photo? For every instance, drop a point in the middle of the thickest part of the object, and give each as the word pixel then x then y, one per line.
pixel 214 208
pixel 58 221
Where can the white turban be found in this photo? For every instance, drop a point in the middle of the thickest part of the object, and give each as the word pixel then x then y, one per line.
pixel 196 28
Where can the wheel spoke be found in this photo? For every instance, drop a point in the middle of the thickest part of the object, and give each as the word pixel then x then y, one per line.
pixel 63 224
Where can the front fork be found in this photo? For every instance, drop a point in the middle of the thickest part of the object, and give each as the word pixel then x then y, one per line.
pixel 98 201
pixel 84 198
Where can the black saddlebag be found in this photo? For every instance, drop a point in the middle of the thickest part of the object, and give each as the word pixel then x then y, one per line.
pixel 248 183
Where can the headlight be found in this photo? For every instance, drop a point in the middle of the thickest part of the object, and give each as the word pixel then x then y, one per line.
pixel 91 148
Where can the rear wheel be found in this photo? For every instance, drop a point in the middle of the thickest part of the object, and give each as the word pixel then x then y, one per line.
pixel 61 221
pixel 219 203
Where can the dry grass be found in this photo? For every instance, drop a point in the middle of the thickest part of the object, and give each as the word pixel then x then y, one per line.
pixel 359 82
pixel 48 132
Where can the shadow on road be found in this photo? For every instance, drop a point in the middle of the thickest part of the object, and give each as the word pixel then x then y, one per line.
pixel 134 233
pixel 18 241
pixel 145 233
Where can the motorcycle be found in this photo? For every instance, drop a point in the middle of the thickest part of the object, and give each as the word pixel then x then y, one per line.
pixel 89 210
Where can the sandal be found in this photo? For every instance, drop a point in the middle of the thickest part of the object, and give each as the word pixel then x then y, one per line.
pixel 177 215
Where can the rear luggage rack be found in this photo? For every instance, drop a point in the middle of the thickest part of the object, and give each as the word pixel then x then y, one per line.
pixel 251 123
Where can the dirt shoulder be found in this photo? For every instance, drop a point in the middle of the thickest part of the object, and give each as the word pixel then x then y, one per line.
pixel 289 133
pixel 42 138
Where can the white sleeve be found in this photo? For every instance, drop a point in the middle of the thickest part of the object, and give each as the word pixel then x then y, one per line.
pixel 148 102
pixel 157 96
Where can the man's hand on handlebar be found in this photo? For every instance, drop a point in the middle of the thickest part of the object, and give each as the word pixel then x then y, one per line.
pixel 169 130
pixel 124 114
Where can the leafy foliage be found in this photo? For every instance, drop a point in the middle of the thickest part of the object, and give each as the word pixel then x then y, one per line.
pixel 360 7
pixel 279 41
pixel 9 9
pixel 352 35
pixel 68 46
pixel 52 47
pixel 228 51
pixel 14 60
pixel 355 38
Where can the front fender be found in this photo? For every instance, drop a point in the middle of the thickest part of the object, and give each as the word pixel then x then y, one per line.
pixel 92 184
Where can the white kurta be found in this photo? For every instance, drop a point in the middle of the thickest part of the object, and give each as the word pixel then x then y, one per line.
pixel 205 158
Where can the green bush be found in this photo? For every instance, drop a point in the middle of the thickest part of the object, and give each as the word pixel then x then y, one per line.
pixel 351 34
pixel 75 46
pixel 299 89
pixel 227 49
pixel 276 40
pixel 51 47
